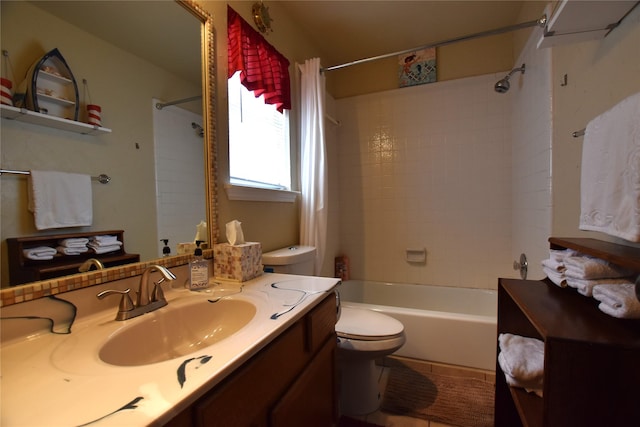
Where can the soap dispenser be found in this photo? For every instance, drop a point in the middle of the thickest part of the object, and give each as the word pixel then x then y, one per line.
pixel 166 250
pixel 198 270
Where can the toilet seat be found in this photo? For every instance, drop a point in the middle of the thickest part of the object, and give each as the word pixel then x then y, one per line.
pixel 367 325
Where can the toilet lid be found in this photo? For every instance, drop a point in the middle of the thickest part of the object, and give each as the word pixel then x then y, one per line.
pixel 360 323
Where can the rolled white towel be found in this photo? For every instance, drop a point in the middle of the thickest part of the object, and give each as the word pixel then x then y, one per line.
pixel 39 253
pixel 522 358
pixel 618 300
pixel 103 249
pixel 76 242
pixel 585 286
pixel 72 250
pixel 584 267
pixel 555 276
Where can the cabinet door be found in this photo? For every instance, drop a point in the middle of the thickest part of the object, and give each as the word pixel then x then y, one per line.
pixel 311 400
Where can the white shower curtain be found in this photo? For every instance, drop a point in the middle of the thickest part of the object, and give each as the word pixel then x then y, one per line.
pixel 313 220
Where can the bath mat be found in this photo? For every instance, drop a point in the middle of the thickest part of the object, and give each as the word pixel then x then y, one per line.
pixel 412 390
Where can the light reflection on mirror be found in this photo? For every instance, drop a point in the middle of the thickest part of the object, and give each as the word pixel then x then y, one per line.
pixel 128 153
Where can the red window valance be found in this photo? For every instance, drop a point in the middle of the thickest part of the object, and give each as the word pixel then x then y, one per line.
pixel 263 70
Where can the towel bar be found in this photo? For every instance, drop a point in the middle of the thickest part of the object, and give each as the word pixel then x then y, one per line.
pixel 102 178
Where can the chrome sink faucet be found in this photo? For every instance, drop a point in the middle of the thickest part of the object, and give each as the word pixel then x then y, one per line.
pixel 145 301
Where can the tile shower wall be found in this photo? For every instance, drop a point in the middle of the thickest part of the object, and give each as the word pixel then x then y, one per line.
pixel 180 181
pixel 427 167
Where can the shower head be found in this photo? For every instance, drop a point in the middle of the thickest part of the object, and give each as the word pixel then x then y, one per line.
pixel 502 86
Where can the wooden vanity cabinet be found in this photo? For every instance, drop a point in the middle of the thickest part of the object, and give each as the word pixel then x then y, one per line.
pixel 592 360
pixel 291 382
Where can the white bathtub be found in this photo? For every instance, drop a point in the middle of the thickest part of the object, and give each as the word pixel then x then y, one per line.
pixel 449 325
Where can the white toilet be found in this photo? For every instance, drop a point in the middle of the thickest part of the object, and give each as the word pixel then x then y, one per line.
pixel 363 336
pixel 290 260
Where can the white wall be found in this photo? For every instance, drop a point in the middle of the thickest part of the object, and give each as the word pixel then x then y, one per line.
pixel 427 166
pixel 600 74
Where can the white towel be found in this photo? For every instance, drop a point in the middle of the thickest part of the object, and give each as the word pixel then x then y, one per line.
pixel 514 382
pixel 585 267
pixel 585 286
pixel 610 177
pixel 39 253
pixel 557 277
pixel 77 250
pixel 105 239
pixel 78 242
pixel 618 300
pixel 559 255
pixel 522 359
pixel 553 264
pixel 93 244
pixel 59 199
pixel 103 249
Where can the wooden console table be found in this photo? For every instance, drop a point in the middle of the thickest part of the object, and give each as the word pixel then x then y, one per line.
pixel 24 270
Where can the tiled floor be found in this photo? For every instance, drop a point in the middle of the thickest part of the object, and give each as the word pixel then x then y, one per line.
pixel 389 420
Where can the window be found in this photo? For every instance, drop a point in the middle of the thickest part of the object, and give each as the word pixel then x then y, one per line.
pixel 258 126
pixel 258 140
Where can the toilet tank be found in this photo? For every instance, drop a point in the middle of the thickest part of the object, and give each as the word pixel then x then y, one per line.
pixel 290 260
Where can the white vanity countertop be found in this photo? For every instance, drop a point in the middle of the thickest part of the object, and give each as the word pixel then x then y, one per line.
pixel 58 379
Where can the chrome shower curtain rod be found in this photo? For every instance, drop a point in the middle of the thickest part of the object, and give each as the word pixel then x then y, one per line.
pixel 160 106
pixel 541 22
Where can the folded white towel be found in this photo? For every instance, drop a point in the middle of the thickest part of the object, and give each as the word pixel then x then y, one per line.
pixel 585 286
pixel 557 277
pixel 559 255
pixel 77 242
pixel 610 178
pixel 59 199
pixel 522 358
pixel 64 250
pixel 39 253
pixel 104 239
pixel 93 244
pixel 553 264
pixel 102 249
pixel 584 267
pixel 618 300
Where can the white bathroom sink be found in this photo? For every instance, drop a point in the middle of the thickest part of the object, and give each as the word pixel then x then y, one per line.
pixel 176 331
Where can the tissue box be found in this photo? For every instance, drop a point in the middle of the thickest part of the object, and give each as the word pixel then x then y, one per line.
pixel 237 262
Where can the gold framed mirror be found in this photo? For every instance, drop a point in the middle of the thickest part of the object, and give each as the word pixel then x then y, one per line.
pixel 36 290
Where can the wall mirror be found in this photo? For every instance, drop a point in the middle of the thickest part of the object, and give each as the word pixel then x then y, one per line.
pixel 174 39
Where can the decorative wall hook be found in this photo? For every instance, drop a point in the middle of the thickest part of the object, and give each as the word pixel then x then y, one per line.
pixel 261 17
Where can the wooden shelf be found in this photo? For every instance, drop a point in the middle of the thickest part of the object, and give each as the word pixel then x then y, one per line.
pixel 55 78
pixel 24 270
pixel 28 116
pixel 591 358
pixel 624 256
